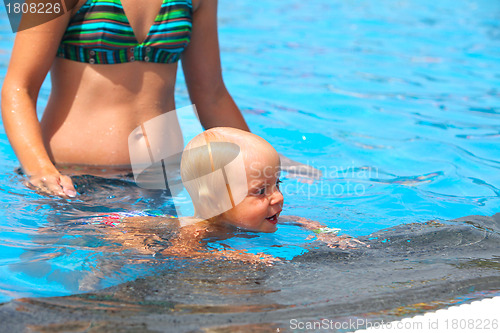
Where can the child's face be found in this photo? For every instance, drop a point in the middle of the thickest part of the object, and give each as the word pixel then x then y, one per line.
pixel 260 209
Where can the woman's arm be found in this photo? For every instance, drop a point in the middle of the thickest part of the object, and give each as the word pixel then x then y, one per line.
pixel 202 69
pixel 32 56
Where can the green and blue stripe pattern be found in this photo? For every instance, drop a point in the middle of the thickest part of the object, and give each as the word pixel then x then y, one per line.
pixel 100 33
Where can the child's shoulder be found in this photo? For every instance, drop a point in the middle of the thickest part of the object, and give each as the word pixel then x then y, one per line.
pixel 120 218
pixel 190 221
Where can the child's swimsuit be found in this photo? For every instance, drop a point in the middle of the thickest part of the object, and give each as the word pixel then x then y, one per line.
pixel 100 33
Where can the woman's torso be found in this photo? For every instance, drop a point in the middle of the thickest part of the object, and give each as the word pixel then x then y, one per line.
pixel 92 108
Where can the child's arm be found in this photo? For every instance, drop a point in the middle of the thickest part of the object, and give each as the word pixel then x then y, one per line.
pixel 325 234
pixel 140 233
pixel 190 244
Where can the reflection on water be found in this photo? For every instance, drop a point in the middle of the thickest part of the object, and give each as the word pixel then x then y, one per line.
pixel 59 252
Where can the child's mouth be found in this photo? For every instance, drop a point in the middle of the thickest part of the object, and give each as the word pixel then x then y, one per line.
pixel 273 219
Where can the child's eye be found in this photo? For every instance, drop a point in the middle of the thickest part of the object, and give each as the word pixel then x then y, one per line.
pixel 263 190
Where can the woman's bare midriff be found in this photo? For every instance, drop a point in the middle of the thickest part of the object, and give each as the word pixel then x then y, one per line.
pixel 78 129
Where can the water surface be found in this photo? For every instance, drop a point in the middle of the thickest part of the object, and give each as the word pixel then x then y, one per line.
pixel 397 102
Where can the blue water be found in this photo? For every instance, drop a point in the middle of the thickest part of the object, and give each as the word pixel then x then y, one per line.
pixel 397 102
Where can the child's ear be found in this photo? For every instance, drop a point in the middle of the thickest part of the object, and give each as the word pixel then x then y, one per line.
pixel 218 181
pixel 211 202
pixel 205 196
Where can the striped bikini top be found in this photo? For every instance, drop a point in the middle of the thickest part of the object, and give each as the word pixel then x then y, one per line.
pixel 100 33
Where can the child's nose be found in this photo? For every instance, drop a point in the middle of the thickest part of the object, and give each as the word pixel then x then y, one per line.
pixel 276 198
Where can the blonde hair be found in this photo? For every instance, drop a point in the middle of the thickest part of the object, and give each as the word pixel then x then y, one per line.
pixel 213 169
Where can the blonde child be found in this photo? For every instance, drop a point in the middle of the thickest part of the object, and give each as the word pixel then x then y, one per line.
pixel 232 177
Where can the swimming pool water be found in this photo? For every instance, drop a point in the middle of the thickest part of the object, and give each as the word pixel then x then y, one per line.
pixel 397 102
pixel 406 89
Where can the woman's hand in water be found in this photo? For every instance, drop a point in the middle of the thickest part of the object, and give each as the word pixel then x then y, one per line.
pixel 52 184
pixel 232 255
pixel 341 242
pixel 260 258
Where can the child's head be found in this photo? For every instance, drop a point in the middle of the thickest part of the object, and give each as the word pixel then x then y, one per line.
pixel 232 177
